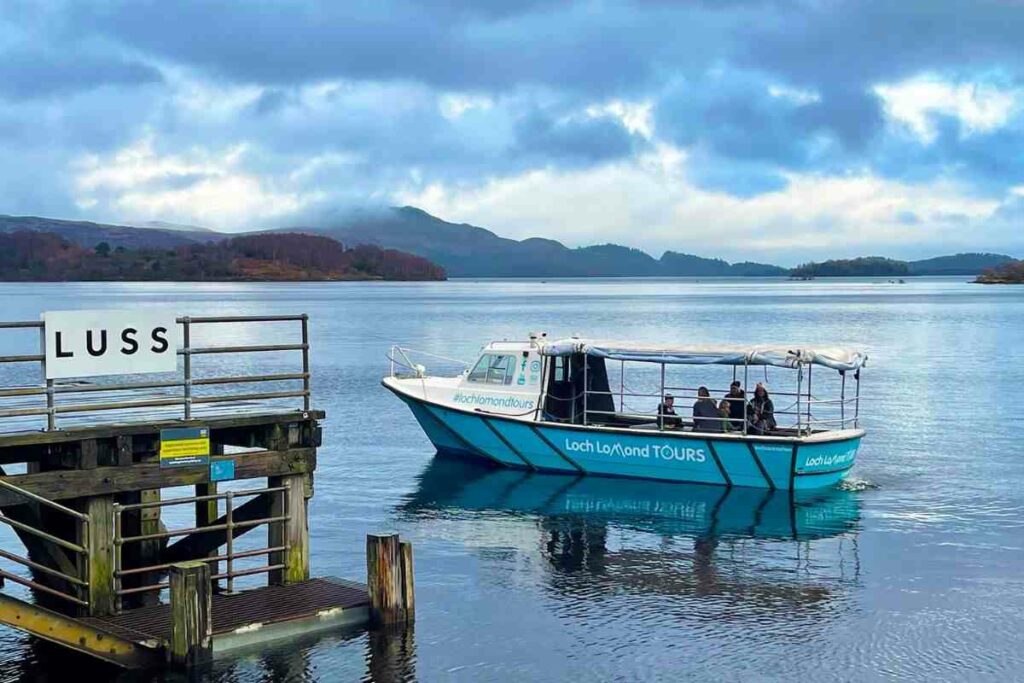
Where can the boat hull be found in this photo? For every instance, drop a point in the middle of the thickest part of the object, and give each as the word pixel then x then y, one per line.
pixel 664 456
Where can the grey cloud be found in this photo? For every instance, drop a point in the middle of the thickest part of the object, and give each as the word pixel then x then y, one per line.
pixel 35 72
pixel 589 140
pixel 707 67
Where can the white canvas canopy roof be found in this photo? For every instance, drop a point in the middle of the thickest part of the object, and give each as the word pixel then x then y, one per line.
pixel 781 356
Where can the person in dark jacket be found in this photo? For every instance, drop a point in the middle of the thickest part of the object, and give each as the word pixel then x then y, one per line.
pixel 737 399
pixel 762 411
pixel 667 418
pixel 706 417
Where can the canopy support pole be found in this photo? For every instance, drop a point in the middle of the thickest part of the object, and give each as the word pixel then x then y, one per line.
pixel 856 402
pixel 586 388
pixel 746 368
pixel 622 386
pixel 799 389
pixel 842 400
pixel 809 397
pixel 661 399
pixel 542 399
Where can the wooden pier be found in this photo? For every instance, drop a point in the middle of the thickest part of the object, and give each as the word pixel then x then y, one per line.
pixel 114 571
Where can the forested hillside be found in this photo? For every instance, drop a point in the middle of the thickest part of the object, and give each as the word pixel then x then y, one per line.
pixel 42 256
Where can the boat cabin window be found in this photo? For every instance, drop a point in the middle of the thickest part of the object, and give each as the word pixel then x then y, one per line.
pixel 493 368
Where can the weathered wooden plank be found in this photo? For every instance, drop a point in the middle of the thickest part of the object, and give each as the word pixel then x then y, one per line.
pixel 206 513
pixel 292 533
pixel 384 579
pixel 124 450
pixel 408 582
pixel 191 623
pixel 100 543
pixel 77 635
pixel 88 457
pixel 112 430
pixel 65 484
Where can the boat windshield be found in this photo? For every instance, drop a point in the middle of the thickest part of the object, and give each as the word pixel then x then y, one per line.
pixel 493 368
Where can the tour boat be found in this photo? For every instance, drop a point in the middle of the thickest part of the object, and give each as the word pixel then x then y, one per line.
pixel 552 405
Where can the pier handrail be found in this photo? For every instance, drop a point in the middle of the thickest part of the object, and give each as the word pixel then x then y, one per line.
pixel 141 394
pixel 79 583
pixel 230 525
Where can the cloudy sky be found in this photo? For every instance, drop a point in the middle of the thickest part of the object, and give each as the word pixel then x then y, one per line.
pixel 781 129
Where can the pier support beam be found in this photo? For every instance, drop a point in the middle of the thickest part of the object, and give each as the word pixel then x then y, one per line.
pixel 293 533
pixel 389 577
pixel 191 623
pixel 100 544
pixel 206 515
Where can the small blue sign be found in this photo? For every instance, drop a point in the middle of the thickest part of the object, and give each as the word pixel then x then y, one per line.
pixel 222 470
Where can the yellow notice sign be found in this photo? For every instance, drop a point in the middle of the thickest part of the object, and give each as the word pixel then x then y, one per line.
pixel 184 446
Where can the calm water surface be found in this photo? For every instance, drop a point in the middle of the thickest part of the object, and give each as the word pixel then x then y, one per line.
pixel 914 574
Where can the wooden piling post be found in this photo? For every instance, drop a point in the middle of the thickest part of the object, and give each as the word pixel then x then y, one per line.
pixel 408 585
pixel 100 544
pixel 389 577
pixel 191 622
pixel 207 513
pixel 292 533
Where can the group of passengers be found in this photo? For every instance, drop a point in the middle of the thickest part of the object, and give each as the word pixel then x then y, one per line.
pixel 729 415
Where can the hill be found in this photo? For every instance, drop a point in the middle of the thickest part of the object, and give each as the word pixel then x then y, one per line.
pixel 87 234
pixel 865 266
pixel 470 251
pixel 1006 274
pixel 674 263
pixel 959 264
pixel 45 256
pixel 465 250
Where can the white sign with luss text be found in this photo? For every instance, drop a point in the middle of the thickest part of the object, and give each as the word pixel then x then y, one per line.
pixel 93 343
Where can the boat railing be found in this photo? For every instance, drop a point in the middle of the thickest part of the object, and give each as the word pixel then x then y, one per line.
pixel 404 357
pixel 797 416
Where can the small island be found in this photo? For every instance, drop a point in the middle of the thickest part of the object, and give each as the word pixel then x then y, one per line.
pixel 27 256
pixel 1007 274
pixel 868 266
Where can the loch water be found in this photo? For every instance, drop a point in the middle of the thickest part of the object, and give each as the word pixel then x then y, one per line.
pixel 913 571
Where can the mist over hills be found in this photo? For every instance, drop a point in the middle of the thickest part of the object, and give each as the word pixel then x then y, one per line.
pixel 465 250
pixel 470 251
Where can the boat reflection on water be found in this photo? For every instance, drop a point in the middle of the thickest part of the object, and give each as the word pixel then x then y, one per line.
pixel 768 549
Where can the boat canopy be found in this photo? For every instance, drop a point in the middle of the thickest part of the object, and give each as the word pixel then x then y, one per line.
pixel 781 356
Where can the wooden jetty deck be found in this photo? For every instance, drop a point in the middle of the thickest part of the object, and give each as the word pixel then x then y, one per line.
pixel 112 572
pixel 253 616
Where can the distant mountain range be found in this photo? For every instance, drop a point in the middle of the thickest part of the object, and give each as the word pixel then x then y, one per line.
pixel 465 250
pixel 469 251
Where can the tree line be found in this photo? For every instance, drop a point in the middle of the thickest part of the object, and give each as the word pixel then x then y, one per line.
pixel 39 256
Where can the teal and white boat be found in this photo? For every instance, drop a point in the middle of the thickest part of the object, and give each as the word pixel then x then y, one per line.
pixel 553 405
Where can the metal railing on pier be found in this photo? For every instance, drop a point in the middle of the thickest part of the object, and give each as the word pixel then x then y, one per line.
pixel 227 525
pixel 77 582
pixel 186 395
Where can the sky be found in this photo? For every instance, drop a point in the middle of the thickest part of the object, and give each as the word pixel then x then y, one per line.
pixel 778 130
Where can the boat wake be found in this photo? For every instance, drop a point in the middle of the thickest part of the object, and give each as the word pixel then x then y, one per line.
pixel 855 484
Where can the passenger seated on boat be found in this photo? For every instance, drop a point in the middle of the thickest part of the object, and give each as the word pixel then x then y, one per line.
pixel 723 411
pixel 706 417
pixel 762 411
pixel 737 399
pixel 667 415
